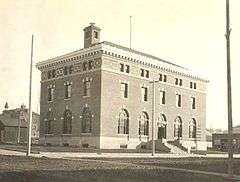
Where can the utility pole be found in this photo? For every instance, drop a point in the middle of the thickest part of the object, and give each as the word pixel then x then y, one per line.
pixel 153 117
pixel 229 93
pixel 30 105
pixel 153 114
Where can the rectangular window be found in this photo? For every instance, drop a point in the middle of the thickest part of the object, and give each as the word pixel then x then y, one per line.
pixel 160 77
pixel 84 66
pixel 71 69
pixel 191 84
pixel 127 69
pixel 176 81
pixel 178 100
pixel 193 102
pixel 147 73
pixel 50 94
pixel 165 78
pixel 180 82
pixel 195 85
pixel 65 72
pixel 144 93
pixel 90 65
pixel 162 97
pixel 124 90
pixel 95 35
pixel 68 90
pixel 49 74
pixel 53 73
pixel 86 91
pixel 142 72
pixel 121 67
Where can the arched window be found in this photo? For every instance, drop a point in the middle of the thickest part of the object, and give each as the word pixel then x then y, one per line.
pixel 163 119
pixel 143 124
pixel 67 122
pixel 123 122
pixel 192 128
pixel 86 120
pixel 178 127
pixel 162 126
pixel 49 123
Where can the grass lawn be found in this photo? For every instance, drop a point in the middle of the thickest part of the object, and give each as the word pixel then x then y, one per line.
pixel 218 165
pixel 27 169
pixel 37 149
pixel 214 151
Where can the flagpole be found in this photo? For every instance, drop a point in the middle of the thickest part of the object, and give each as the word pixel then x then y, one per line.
pixel 130 32
pixel 30 105
pixel 229 93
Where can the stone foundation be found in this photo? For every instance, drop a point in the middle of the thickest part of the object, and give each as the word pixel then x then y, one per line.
pixel 112 142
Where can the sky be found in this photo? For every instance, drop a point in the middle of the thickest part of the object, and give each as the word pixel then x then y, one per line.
pixel 187 32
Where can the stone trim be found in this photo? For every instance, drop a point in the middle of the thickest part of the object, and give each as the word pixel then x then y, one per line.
pixel 104 48
pixel 73 74
pixel 147 80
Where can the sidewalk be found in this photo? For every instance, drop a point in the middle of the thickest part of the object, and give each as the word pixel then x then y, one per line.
pixel 11 152
pixel 111 155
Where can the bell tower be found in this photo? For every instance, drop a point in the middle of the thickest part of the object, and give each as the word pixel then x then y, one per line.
pixel 91 35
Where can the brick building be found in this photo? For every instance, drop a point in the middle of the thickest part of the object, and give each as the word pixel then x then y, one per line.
pixel 220 140
pixel 101 96
pixel 14 125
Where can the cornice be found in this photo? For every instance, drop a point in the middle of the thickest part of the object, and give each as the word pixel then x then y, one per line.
pixel 73 57
pixel 115 51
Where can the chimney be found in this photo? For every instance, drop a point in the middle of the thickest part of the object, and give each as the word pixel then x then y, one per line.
pixel 91 35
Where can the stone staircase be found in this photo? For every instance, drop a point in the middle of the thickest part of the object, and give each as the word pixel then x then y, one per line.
pixel 170 146
pixel 159 146
pixel 176 147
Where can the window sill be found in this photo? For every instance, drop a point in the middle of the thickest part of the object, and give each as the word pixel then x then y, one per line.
pixel 66 134
pixel 50 134
pixel 192 139
pixel 86 96
pixel 143 136
pixel 122 135
pixel 67 98
pixel 177 138
pixel 50 101
pixel 85 134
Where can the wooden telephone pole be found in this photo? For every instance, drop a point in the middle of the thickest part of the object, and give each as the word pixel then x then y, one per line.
pixel 229 93
pixel 30 106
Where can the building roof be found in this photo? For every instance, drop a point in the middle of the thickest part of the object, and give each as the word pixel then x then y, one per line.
pixel 151 60
pixel 140 53
pixel 9 121
pixel 131 54
pixel 11 117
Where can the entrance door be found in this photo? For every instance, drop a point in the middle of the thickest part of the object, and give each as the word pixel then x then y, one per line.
pixel 161 132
